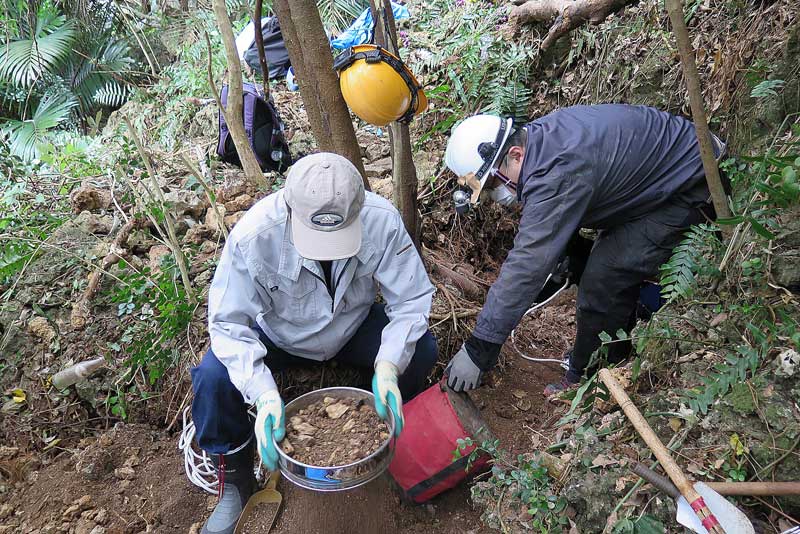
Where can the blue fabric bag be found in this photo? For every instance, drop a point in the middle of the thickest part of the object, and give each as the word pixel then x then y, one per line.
pixel 360 31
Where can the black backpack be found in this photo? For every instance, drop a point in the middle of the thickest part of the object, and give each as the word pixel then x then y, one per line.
pixel 274 50
pixel 264 129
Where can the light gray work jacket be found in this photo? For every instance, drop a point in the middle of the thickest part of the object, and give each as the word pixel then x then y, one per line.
pixel 261 282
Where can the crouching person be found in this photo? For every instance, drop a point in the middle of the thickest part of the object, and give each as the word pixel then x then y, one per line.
pixel 298 279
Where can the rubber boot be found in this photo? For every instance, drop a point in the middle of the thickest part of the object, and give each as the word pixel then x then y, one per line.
pixel 237 482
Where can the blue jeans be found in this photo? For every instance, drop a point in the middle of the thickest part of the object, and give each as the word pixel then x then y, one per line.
pixel 220 413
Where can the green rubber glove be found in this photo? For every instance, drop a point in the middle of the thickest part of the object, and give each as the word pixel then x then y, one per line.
pixel 387 394
pixel 269 425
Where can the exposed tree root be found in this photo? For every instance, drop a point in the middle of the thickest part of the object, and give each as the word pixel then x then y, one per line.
pixel 468 288
pixel 80 309
pixel 568 14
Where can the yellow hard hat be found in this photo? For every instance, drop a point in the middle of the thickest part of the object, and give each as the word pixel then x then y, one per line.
pixel 378 87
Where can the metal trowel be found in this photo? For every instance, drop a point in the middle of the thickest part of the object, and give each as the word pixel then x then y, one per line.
pixel 268 495
pixel 730 517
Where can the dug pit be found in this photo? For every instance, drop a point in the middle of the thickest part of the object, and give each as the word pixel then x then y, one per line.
pixel 334 432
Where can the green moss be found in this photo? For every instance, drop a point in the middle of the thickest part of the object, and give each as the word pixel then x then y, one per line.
pixel 741 399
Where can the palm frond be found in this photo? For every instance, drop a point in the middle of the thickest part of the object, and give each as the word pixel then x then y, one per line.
pixel 25 60
pixel 96 70
pixel 337 15
pixel 26 136
pixel 111 95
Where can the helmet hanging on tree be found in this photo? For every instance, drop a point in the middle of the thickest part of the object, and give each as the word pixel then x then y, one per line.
pixel 378 87
pixel 474 148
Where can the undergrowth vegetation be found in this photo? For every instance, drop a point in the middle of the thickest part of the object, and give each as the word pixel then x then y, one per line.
pixel 470 65
pixel 154 311
pixel 61 66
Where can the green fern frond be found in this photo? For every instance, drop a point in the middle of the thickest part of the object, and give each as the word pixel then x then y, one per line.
pixel 678 274
pixel 26 136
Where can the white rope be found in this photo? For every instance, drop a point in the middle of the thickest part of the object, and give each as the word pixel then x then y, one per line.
pixel 199 468
pixel 533 308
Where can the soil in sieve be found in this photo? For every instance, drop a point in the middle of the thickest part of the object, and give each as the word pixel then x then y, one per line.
pixel 259 520
pixel 334 432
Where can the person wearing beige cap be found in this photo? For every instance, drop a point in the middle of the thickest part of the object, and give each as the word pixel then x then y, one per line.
pixel 297 281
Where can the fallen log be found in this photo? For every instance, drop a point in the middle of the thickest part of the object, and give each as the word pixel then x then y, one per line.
pixel 568 14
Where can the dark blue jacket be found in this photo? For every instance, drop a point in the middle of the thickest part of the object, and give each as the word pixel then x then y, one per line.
pixel 591 167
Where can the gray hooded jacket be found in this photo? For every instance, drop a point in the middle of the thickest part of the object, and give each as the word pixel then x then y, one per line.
pixel 591 167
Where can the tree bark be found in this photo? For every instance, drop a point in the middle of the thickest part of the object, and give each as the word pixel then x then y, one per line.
pixel 568 14
pixel 718 196
pixel 310 54
pixel 262 56
pixel 233 111
pixel 404 173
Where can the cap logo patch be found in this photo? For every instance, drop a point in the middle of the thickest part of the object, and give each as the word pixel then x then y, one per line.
pixel 327 219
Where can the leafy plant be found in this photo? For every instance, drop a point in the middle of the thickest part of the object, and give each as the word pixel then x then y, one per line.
pixel 766 88
pixel 468 54
pixel 23 222
pixel 54 71
pixel 117 404
pixel 524 483
pixel 39 48
pixel 156 311
pixel 337 15
pixel 26 136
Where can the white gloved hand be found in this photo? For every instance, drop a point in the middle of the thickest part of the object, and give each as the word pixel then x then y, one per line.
pixel 387 394
pixel 269 425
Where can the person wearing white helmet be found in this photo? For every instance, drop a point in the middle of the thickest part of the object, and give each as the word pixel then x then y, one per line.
pixel 633 173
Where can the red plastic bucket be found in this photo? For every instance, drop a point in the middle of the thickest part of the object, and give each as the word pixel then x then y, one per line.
pixel 435 419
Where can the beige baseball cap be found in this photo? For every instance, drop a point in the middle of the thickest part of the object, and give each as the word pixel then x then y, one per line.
pixel 325 195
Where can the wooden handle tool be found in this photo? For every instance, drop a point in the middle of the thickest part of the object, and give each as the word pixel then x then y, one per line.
pixel 661 453
pixel 723 488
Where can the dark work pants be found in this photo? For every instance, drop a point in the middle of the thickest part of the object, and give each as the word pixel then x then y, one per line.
pixel 622 259
pixel 220 413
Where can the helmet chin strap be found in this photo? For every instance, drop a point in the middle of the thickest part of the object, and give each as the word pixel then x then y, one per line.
pixel 505 179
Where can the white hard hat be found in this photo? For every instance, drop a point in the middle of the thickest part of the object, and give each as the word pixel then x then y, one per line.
pixel 475 144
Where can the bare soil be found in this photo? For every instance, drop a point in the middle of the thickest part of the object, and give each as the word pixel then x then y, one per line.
pixel 130 479
pixel 333 433
pixel 374 508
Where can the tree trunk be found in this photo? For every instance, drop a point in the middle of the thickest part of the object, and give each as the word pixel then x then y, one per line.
pixel 568 14
pixel 145 6
pixel 675 10
pixel 262 56
pixel 233 112
pixel 404 173
pixel 185 6
pixel 312 62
